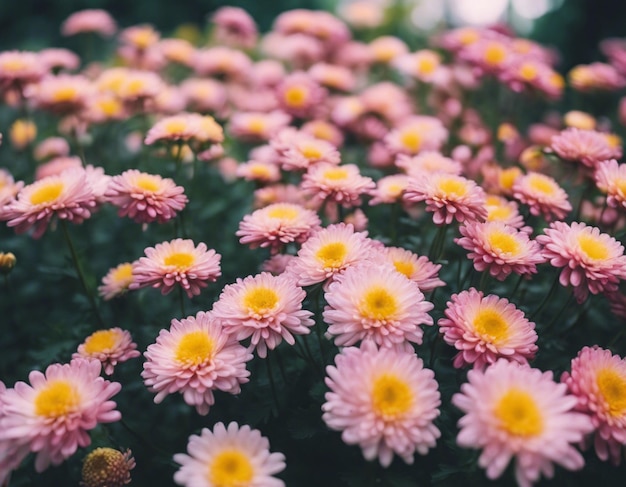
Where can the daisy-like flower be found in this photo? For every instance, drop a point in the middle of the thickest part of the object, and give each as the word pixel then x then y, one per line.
pixel 384 49
pixel 341 184
pixel 276 225
pixel 54 413
pixel 592 261
pixel 117 281
pixel 89 20
pixel 8 187
pixel 486 328
pixel 63 94
pixel 221 61
pixel 598 380
pixel 146 197
pixel 389 189
pixel 428 161
pixel 195 357
pixel 257 126
pixel 587 147
pixel 500 248
pixel 229 456
pixel 611 179
pixel 424 65
pixel 234 26
pixel 384 400
pixel 417 134
pixel 182 127
pixel 512 410
pixel 448 196
pixel 375 302
pixel 262 171
pixel 264 307
pixel 299 94
pixel 107 467
pixel 298 150
pixel 417 268
pixel 543 195
pixel 178 262
pixel 329 252
pixel 277 264
pixel 110 347
pixel 68 196
pixel 502 210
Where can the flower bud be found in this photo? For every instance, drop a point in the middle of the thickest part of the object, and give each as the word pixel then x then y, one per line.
pixel 106 467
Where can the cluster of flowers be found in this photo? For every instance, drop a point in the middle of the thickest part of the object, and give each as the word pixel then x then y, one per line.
pixel 302 109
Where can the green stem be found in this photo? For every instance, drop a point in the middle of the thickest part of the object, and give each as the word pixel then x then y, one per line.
pixel 547 299
pixel 516 288
pixel 436 249
pixel 81 275
pixel 181 297
pixel 484 279
pixel 272 384
pixel 558 315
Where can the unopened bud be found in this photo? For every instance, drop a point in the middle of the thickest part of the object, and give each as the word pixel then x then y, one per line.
pixel 7 262
pixel 107 467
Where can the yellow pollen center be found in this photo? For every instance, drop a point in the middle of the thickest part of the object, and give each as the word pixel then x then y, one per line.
pixel 412 141
pixel 427 65
pixel 147 183
pixel 332 255
pixel 404 267
pixel 230 468
pixel 260 171
pixel 508 176
pixel 454 187
pixel 135 87
pixel 495 54
pixel 180 260
pixel 504 243
pixel 593 247
pixel 311 152
pixel 256 125
pixel 391 396
pixel 47 193
pixel 498 213
pixel 620 184
pixel 518 413
pixel 64 94
pixel 468 37
pixel 528 72
pixel 58 398
pixel 101 341
pixel 542 184
pixel 491 326
pixel 143 39
pixel 109 106
pixel 378 304
pixel 395 189
pixel 194 348
pixel 612 386
pixel 336 174
pixel 174 127
pixel 296 96
pixel 13 65
pixel 123 274
pixel 260 300
pixel 283 213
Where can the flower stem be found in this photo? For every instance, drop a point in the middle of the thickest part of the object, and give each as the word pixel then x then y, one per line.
pixel 272 384
pixel 181 297
pixel 547 299
pixel 436 249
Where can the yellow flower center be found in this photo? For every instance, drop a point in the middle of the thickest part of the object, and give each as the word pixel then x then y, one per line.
pixel 491 325
pixel 612 386
pixel 498 213
pixel 256 125
pixel 144 38
pixel 404 267
pixel 391 396
pixel 557 80
pixel 468 36
pixel 260 300
pixel 148 182
pixel 175 126
pixel 123 274
pixel 194 348
pixel 296 96
pixel 528 72
pixel 283 213
pixel 620 184
pixel 450 186
pixel 134 87
pixel 495 54
pixel 64 94
pixel 378 304
pixel 14 65
pixel 56 399
pixel 260 171
pixel 395 189
pixel 105 467
pixel 180 260
pixel 427 65
pixel 411 140
pixel 311 152
pixel 101 341
pixel 508 176
pixel 47 193
pixel 332 255
pixel 109 106
pixel 336 174
pixel 519 414
pixel 504 243
pixel 542 184
pixel 231 468
pixel 593 247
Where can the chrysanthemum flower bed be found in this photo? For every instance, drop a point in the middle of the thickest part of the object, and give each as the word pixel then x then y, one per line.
pixel 313 256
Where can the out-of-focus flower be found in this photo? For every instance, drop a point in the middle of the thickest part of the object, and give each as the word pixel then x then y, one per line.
pixel 222 62
pixel 89 20
pixel 341 184
pixel 107 467
pixel 417 134
pixel 204 95
pixel 8 187
pixel 18 69
pixel 117 281
pixel 543 195
pixel 257 126
pixel 22 133
pixel 385 49
pixel 611 180
pixel 586 147
pixel 299 94
pixel 428 161
pixel 110 347
pixel 261 171
pixel 389 189
pixel 596 77
pixel 417 268
pixel 333 77
pixel 63 94
pixel 51 147
pixel 58 58
pixel 235 27
pixel 185 127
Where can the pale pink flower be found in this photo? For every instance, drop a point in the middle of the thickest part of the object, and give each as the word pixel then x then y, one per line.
pixel 279 193
pixel 194 358
pixel 117 281
pixel 383 400
pixel 51 147
pixel 67 196
pixel 54 413
pixel 488 56
pixel 89 20
pixel 297 50
pixel 417 268
pixel 300 95
pixel 598 380
pixel 277 225
pixel 230 455
pixel 185 127
pixel 177 50
pixel 315 23
pixel 424 65
pixel 298 150
pixel 486 328
pixel 416 134
pixel 18 68
pixel 448 196
pixel 62 94
pixel 324 130
pixel 222 61
pixel 178 262
pixel 428 161
pixel 137 89
pixel 596 77
pixel 262 171
pixel 389 189
pixel 592 261
pixel 384 49
pixel 12 452
pixel 611 179
pixel 329 252
pixel 57 165
pixel 333 77
pixel 266 308
pixel 377 303
pixel 587 147
pixel 342 184
pixel 110 347
pixel 515 411
pixel 267 73
pixel 500 249
pixel 234 26
pixel 543 195
pixel 58 58
pixel 257 126
pixel 277 264
pixel 140 37
pixel 99 182
pixel 146 197
pixel 8 187
pixel 204 95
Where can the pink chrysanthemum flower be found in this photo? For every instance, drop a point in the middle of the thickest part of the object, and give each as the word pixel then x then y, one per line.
pixel 67 196
pixel 298 150
pixel 12 453
pixel 611 179
pixel 375 302
pixel 261 171
pixel 598 380
pixel 424 65
pixel 276 225
pixel 596 77
pixel 543 195
pixel 8 187
pixel 428 161
pixel 448 196
pixel 57 165
pixel 234 26
pixel 500 248
pixel 502 210
pixel 341 184
pixel 324 130
pixel 89 20
pixel 264 307
pixel 383 400
pixel 229 456
pixel 587 147
pixel 178 262
pixel 54 413
pixel 484 329
pixel 299 94
pixel 592 261
pixel 329 252
pixel 146 197
pixel 194 358
pixel 185 127
pixel 257 126
pixel 59 58
pixel 51 147
pixel 116 281
pixel 110 347
pixel 18 68
pixel 417 134
pixel 63 94
pixel 389 189
pixel 513 410
pixel 333 77
pixel 384 49
pixel 417 268
pixel 204 95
